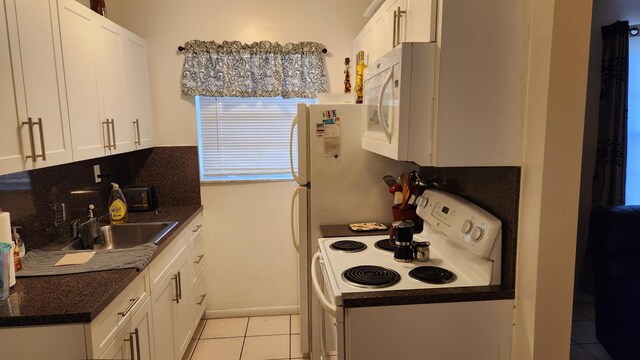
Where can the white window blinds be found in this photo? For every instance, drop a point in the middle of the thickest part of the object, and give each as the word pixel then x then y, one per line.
pixel 245 138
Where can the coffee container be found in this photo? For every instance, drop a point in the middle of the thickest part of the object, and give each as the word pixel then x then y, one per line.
pixel 402 235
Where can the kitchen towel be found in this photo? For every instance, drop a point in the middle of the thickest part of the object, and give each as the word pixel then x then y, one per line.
pixel 41 263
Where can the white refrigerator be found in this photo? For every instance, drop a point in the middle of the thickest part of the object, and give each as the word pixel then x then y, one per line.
pixel 338 183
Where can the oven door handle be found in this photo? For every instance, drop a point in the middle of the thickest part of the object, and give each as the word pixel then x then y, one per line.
pixel 326 304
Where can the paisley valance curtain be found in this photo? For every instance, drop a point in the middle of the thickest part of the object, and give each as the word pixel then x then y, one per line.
pixel 260 69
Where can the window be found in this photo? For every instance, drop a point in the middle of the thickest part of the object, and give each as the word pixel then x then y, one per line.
pixel 632 191
pixel 245 138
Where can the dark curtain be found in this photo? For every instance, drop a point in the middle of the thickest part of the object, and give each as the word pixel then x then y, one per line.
pixel 611 156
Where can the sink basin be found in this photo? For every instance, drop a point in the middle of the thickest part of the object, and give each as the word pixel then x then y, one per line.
pixel 122 236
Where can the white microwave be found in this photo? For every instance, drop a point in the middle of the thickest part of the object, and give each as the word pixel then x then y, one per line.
pixel 398 103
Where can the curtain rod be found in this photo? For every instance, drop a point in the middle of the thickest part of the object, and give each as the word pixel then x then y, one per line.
pixel 182 48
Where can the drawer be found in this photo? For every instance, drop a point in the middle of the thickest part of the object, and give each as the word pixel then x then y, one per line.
pixel 104 328
pixel 198 302
pixel 194 229
pixel 161 265
pixel 196 262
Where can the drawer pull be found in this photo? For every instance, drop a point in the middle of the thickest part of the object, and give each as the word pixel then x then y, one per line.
pixel 132 303
pixel 197 229
pixel 137 334
pixel 202 299
pixel 199 259
pixel 180 285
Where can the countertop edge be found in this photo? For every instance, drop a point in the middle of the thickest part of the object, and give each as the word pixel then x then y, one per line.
pixel 426 296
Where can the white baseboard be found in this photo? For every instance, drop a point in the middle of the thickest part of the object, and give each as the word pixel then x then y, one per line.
pixel 275 310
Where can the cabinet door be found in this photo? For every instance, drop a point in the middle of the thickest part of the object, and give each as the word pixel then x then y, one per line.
pixel 138 90
pixel 182 320
pixel 11 158
pixel 395 23
pixel 420 21
pixel 40 93
pixel 78 41
pixel 111 83
pixel 121 347
pixel 142 331
pixel 163 303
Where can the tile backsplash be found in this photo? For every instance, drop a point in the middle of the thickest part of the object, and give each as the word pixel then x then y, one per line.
pixel 31 196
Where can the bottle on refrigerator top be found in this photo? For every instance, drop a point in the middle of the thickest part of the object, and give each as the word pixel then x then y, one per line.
pixel 117 205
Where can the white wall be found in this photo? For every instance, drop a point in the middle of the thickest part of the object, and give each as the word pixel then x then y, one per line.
pixel 605 12
pixel 250 261
pixel 558 58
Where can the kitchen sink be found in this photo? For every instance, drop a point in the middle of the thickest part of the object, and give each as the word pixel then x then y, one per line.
pixel 123 236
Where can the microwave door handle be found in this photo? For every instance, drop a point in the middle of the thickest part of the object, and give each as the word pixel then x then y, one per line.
pixel 296 242
pixel 385 129
pixel 326 304
pixel 294 123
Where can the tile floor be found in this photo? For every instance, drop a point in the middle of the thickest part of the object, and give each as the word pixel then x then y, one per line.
pixel 247 338
pixel 584 344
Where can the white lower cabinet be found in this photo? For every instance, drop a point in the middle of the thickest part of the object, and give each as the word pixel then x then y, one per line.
pixel 135 341
pixel 154 317
pixel 170 303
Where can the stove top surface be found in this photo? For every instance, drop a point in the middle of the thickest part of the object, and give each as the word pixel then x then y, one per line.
pixel 448 266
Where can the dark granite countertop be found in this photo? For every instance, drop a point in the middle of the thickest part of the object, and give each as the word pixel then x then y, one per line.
pixel 416 296
pixel 79 298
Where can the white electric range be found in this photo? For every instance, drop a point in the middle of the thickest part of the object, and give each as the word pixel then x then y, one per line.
pixel 465 251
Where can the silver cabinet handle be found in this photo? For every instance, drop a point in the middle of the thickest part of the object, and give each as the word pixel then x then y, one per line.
pixel 130 341
pixel 108 145
pixel 201 299
pixel 44 152
pixel 397 24
pixel 180 284
pixel 136 124
pixel 199 259
pixel 177 299
pixel 32 144
pixel 132 303
pixel 137 344
pixel 113 130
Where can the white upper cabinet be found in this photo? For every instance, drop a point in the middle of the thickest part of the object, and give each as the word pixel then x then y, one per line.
pixel 38 80
pixel 88 127
pixel 96 64
pixel 11 158
pixel 136 71
pixel 395 22
pixel 111 80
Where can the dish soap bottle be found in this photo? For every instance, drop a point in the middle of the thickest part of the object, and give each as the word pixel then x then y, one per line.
pixel 117 205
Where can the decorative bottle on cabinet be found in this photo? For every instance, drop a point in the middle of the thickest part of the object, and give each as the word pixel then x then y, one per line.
pixel 360 66
pixel 99 6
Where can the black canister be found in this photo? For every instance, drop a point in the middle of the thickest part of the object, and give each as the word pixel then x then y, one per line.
pixel 402 235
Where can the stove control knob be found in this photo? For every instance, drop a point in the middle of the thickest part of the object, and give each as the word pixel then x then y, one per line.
pixel 466 226
pixel 476 233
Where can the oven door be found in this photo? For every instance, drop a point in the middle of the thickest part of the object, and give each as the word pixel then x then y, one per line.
pixel 332 324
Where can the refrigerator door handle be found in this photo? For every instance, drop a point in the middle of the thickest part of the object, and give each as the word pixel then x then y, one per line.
pixel 294 123
pixel 296 242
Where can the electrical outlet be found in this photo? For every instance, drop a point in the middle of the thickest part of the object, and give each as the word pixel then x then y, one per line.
pixel 96 173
